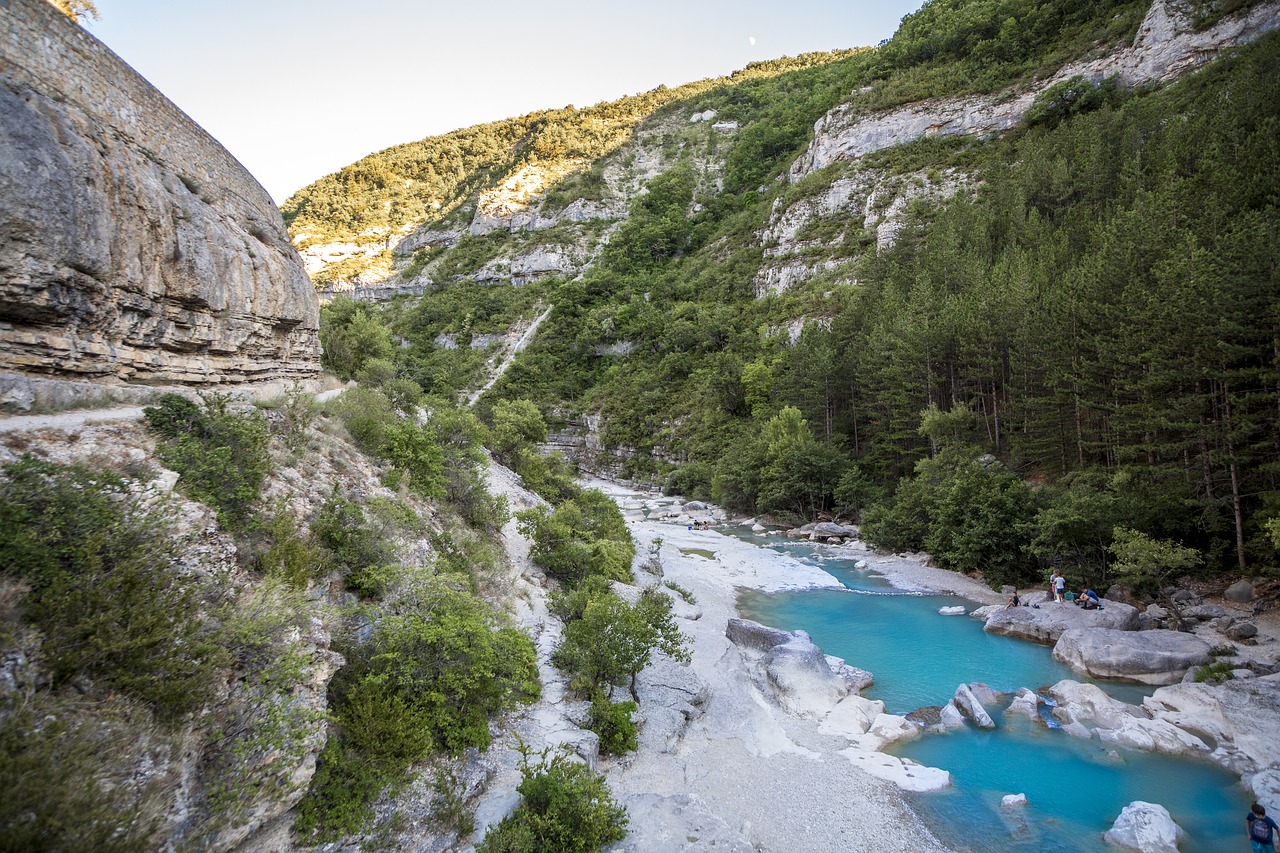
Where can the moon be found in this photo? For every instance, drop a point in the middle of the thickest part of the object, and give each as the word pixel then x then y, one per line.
pixel 751 40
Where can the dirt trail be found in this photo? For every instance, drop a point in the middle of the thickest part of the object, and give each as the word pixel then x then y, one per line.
pixel 69 420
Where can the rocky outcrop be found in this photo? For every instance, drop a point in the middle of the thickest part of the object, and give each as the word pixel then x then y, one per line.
pixel 1048 622
pixel 1084 711
pixel 1166 45
pixel 1149 657
pixel 133 247
pixel 1238 719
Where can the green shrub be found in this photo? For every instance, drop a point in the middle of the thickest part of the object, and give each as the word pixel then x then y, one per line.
pixel 565 808
pixel 289 556
pixel 354 542
pixel 220 454
pixel 583 536
pixel 352 333
pixel 692 480
pixel 58 794
pixel 101 587
pixel 438 665
pixel 1216 672
pixel 613 723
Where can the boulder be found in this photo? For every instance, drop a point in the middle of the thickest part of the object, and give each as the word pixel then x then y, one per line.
pixel 1025 703
pixel 958 610
pixel 1148 657
pixel 985 693
pixel 1145 827
pixel 827 528
pixel 1242 631
pixel 1046 623
pixel 752 635
pixel 1011 800
pixel 672 695
pixel 852 716
pixel 949 717
pixel 969 705
pixel 1241 591
pixel 694 506
pixel 759 528
pixel 801 678
pixel 1205 611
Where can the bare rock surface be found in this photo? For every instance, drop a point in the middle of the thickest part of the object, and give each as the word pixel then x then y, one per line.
pixel 1085 711
pixel 1239 719
pixel 1149 657
pixel 1048 622
pixel 135 249
pixel 1166 45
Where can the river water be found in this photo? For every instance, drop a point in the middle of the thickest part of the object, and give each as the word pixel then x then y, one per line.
pixel 1075 787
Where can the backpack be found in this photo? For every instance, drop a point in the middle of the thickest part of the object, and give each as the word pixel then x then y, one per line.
pixel 1260 830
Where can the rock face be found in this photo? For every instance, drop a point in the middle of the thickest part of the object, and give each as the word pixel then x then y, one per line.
pixel 1048 622
pixel 133 247
pixel 1149 657
pixel 1166 46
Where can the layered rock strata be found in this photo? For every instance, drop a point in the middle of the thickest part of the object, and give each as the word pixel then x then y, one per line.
pixel 133 247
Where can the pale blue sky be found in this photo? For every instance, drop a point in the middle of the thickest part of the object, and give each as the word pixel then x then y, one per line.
pixel 296 89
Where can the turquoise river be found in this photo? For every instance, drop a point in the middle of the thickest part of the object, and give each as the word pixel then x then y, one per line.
pixel 1075 787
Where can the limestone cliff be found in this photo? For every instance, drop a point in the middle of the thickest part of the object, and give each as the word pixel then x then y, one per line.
pixel 134 249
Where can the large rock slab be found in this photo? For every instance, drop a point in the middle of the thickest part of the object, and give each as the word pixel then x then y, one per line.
pixel 1048 622
pixel 752 635
pixel 1146 828
pixel 1148 657
pixel 969 705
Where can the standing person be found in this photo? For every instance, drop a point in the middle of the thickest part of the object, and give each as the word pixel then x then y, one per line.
pixel 1261 830
pixel 1059 586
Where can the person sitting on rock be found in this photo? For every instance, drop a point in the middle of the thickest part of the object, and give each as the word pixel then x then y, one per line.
pixel 1088 599
pixel 1013 601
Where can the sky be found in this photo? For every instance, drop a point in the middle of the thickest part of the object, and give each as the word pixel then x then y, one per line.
pixel 297 90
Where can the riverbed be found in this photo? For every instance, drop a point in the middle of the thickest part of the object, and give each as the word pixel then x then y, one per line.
pixel 1075 788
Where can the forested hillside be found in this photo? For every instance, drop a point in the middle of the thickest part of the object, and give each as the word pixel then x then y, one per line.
pixel 1074 339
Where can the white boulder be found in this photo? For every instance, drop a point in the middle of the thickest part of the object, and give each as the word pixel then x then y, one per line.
pixel 957 610
pixel 1145 827
pixel 1011 800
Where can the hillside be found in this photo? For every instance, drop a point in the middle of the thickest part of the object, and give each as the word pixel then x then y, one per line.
pixel 993 221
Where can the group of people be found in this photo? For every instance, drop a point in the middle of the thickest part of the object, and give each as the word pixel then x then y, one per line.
pixel 700 525
pixel 1086 598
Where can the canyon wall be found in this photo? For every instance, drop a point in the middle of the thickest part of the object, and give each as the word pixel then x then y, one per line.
pixel 134 249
